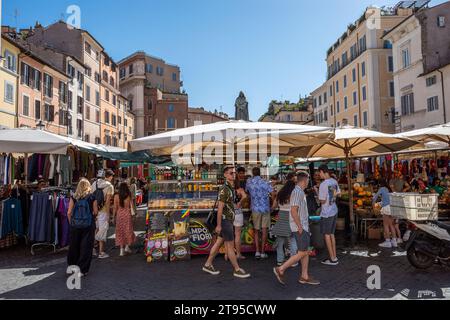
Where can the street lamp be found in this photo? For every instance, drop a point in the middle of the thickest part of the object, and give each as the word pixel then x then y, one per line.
pixel 396 119
pixel 40 125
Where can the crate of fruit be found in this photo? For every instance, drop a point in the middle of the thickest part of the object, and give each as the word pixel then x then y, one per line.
pixel 414 206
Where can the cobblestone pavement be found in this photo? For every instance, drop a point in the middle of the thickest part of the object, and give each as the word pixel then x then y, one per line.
pixel 42 276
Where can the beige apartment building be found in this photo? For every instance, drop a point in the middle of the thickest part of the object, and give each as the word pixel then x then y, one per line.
pixel 109 93
pixel 74 69
pixel 421 51
pixel 153 89
pixel 201 116
pixel 125 120
pixel 83 46
pixel 42 93
pixel 9 75
pixel 359 89
pixel 287 112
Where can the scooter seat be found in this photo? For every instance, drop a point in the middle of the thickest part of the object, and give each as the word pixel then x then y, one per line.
pixel 443 226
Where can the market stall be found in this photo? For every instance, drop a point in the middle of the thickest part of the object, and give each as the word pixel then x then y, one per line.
pixel 38 172
pixel 18 200
pixel 191 189
pixel 349 142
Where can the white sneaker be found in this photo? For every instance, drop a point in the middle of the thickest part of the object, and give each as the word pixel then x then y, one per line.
pixel 329 262
pixel 103 255
pixel 399 241
pixel 264 255
pixel 394 243
pixel 258 255
pixel 128 250
pixel 122 252
pixel 386 244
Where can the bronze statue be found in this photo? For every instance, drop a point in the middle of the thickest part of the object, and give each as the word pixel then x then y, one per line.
pixel 241 107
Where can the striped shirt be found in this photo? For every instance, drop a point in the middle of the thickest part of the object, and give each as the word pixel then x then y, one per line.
pixel 298 199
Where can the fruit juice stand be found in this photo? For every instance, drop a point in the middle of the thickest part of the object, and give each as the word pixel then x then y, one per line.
pixel 177 213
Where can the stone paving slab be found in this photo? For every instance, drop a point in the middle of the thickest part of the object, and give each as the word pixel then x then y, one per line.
pixel 132 278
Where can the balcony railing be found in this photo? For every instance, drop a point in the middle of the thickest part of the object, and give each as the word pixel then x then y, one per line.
pixel 335 70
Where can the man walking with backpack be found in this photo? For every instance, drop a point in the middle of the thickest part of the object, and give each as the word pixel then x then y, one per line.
pixel 103 193
pixel 81 214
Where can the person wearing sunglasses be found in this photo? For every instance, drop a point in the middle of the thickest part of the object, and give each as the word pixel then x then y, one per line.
pixel 224 229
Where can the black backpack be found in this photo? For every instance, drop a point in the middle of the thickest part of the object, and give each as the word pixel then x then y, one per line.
pixel 99 196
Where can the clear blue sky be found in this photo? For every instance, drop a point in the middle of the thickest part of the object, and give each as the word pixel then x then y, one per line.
pixel 270 49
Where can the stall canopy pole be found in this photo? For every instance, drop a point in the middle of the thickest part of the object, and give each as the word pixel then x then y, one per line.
pixel 350 189
pixel 26 168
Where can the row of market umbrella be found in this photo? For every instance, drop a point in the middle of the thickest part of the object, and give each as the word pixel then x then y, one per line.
pixel 232 138
pixel 293 140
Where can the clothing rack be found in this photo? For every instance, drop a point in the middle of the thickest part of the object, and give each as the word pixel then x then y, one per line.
pixel 61 190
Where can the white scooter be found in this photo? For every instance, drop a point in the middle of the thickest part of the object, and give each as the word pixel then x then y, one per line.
pixel 428 244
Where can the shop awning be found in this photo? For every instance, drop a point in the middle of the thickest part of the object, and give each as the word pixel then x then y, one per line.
pixel 31 141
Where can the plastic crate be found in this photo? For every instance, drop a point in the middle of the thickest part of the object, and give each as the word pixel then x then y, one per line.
pixel 414 206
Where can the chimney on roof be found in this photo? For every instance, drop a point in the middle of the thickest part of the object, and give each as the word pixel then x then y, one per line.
pixel 8 29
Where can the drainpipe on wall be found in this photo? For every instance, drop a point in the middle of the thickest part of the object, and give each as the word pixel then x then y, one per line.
pixel 359 95
pixel 443 95
pixel 334 104
pixel 16 107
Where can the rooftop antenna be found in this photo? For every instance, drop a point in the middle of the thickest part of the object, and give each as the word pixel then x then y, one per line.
pixel 16 16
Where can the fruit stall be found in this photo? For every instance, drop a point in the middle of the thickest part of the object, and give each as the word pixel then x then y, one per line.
pixel 367 217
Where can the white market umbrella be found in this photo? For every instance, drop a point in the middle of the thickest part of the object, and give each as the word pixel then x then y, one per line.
pixel 352 142
pixel 31 141
pixel 439 133
pixel 229 136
